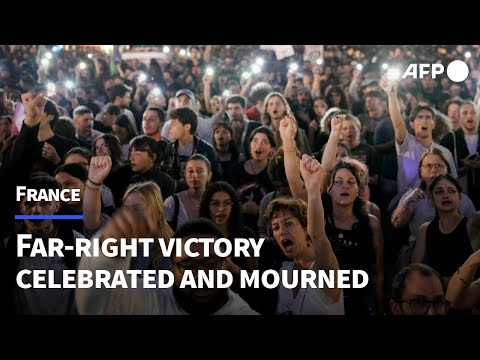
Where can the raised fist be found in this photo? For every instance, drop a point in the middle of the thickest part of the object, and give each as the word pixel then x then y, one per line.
pixel 100 167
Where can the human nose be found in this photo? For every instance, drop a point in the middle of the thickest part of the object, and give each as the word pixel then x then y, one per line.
pixel 430 309
pixel 36 209
pixel 282 229
pixel 445 195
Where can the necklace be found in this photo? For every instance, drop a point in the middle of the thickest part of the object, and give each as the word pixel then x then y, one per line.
pixel 196 204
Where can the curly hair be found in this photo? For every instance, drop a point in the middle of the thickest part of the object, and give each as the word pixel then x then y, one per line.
pixel 297 207
pixel 360 208
pixel 235 220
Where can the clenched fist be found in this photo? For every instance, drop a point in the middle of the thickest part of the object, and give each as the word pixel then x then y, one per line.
pixel 100 167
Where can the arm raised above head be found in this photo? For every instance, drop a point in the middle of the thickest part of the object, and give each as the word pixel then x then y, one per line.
pixel 312 173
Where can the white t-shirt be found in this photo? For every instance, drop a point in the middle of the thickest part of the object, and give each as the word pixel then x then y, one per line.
pixel 308 301
pixel 169 209
pixel 409 155
pixel 472 143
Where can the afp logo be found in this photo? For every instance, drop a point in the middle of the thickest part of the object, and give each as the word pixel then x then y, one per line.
pixel 457 71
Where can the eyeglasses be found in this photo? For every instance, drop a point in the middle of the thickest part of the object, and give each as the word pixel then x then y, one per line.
pixel 211 263
pixel 430 166
pixel 218 204
pixel 420 306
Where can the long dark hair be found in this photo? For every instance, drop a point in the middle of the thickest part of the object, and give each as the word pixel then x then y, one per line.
pixel 360 208
pixel 115 149
pixel 235 220
pixel 232 146
pixel 447 177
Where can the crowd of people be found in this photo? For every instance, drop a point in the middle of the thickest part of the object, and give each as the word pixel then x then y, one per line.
pixel 334 161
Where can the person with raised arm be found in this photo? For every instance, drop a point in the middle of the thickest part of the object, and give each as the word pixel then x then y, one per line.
pixel 292 170
pixel 410 148
pixel 299 230
pixel 346 216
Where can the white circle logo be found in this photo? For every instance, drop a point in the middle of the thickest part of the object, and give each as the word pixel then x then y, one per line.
pixel 457 71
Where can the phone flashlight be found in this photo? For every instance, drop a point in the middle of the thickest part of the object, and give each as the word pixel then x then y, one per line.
pixel 209 71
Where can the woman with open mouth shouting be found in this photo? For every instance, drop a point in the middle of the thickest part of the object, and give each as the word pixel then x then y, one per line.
pixel 299 231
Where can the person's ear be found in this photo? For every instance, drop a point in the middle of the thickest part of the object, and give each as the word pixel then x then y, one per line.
pixel 187 127
pixel 209 177
pixel 395 308
pixel 57 206
pixel 22 206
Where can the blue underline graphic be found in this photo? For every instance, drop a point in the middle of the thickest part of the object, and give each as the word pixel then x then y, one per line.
pixel 48 217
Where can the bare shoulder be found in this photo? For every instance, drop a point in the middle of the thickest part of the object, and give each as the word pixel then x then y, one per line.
pixel 374 223
pixel 473 223
pixel 424 226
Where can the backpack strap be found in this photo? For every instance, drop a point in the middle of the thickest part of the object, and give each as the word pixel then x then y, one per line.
pixel 454 148
pixel 174 222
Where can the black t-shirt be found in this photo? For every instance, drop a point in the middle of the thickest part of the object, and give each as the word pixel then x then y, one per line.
pixel 249 187
pixel 61 144
pixel 366 154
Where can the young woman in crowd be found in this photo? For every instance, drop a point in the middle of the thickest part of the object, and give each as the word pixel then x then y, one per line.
pixel 320 107
pixel 225 146
pixel 220 203
pixel 275 108
pixel 145 201
pixel 415 208
pixel 120 174
pixel 447 241
pixel 299 230
pixel 124 131
pixel 346 216
pixel 250 178
pixel 185 205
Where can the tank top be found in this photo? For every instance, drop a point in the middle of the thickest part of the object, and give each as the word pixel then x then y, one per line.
pixel 354 251
pixel 353 248
pixel 447 252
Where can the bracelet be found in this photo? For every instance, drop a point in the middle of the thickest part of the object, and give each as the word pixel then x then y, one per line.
pixel 91 187
pixel 94 183
pixel 403 211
